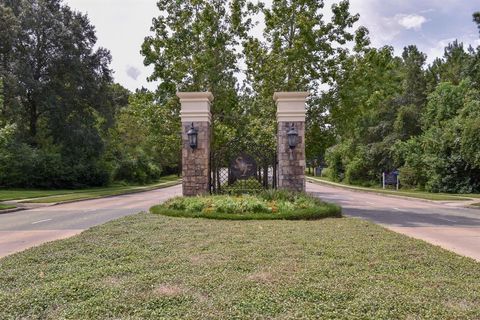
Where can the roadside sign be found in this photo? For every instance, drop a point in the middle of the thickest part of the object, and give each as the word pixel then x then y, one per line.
pixel 391 179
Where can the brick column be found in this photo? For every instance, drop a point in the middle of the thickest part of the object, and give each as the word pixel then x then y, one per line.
pixel 195 108
pixel 291 163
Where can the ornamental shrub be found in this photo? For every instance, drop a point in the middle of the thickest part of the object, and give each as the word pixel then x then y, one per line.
pixel 265 205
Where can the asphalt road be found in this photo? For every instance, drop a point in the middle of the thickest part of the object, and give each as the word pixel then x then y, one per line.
pixel 453 228
pixel 24 229
pixel 445 224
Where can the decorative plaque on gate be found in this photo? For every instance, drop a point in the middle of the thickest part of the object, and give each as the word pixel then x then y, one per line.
pixel 243 167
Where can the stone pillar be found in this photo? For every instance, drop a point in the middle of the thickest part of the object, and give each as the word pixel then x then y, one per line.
pixel 196 162
pixel 291 163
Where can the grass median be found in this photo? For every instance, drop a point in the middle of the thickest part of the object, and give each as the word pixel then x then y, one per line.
pixel 150 266
pixel 405 193
pixel 6 206
pixel 53 196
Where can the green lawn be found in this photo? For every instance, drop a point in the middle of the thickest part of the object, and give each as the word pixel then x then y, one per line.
pixel 6 206
pixel 52 196
pixel 17 194
pixel 402 192
pixel 154 267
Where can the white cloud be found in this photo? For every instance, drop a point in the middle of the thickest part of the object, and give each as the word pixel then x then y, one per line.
pixel 410 21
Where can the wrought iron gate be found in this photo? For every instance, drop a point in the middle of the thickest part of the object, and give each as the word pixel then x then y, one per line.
pixel 242 167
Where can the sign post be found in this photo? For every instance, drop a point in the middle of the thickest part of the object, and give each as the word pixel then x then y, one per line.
pixel 391 179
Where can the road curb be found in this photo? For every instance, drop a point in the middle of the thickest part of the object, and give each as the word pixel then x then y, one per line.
pixel 13 210
pixel 113 195
pixel 314 181
pixel 81 200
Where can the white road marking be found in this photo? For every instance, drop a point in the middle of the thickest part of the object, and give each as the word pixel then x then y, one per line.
pixel 398 209
pixel 445 219
pixel 36 222
pixel 368 202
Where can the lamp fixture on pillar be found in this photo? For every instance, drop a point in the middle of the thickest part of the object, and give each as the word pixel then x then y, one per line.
pixel 292 135
pixel 192 137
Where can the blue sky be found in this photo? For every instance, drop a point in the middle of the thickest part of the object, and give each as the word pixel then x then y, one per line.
pixel 430 24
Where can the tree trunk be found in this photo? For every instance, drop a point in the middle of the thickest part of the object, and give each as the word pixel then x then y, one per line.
pixel 33 119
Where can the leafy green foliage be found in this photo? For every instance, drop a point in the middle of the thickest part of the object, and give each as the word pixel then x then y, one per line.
pixel 250 185
pixel 58 97
pixel 476 19
pixel 64 123
pixel 301 50
pixel 445 157
pixel 266 205
pixel 394 113
pixel 195 47
pixel 144 142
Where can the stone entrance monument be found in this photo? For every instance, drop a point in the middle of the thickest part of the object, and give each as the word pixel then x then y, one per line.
pixel 196 120
pixel 196 139
pixel 291 159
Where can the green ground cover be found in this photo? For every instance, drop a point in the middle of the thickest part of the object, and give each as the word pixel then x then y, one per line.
pixel 52 196
pixel 267 205
pixel 103 193
pixel 6 206
pixel 154 267
pixel 403 192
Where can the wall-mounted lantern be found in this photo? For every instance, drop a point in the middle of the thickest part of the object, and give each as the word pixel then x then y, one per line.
pixel 292 135
pixel 192 137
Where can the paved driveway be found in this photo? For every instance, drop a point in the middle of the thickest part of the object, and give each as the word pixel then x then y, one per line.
pixel 24 229
pixel 444 224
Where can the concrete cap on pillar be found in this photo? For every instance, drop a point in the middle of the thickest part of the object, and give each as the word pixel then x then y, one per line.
pixel 290 106
pixel 195 106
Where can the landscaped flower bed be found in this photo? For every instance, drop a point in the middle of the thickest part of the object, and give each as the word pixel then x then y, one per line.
pixel 268 205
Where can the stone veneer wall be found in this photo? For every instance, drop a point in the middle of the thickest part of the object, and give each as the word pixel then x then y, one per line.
pixel 291 163
pixel 196 163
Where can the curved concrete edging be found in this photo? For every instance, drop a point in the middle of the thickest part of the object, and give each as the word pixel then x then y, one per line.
pixel 12 210
pixel 464 203
pixel 40 205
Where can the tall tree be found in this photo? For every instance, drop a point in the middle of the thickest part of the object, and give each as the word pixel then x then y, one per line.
pixel 195 48
pixel 53 62
pixel 414 96
pixel 452 67
pixel 2 116
pixel 300 52
pixel 476 19
pixel 414 83
pixel 473 69
pixel 56 88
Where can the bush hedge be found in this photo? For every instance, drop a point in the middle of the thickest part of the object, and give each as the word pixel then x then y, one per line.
pixel 267 205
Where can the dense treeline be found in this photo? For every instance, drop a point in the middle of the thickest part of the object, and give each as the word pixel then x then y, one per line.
pixel 391 112
pixel 65 123
pixel 57 96
pixel 62 118
pixel 206 44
